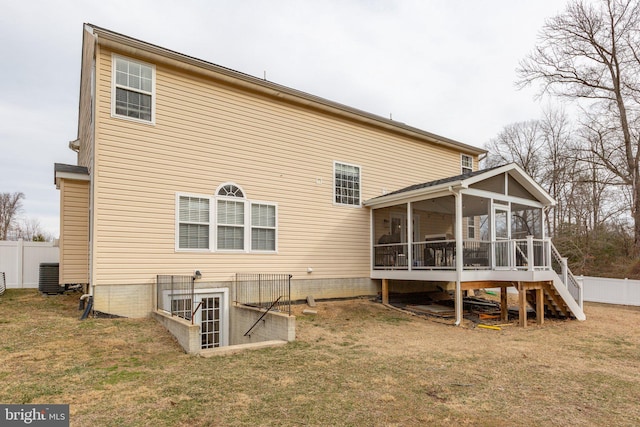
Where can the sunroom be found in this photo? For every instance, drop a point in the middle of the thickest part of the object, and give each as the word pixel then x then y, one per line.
pixel 477 230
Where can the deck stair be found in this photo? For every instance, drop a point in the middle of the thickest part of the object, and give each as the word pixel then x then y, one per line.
pixel 554 304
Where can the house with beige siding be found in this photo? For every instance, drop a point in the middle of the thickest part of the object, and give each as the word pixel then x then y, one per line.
pixel 185 166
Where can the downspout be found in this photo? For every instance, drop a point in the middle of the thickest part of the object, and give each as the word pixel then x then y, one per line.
pixel 459 251
pixel 92 172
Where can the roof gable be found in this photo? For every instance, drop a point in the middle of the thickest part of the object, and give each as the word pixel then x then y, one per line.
pixel 525 182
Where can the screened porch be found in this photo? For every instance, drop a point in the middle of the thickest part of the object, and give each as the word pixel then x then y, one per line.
pixel 497 233
pixel 477 230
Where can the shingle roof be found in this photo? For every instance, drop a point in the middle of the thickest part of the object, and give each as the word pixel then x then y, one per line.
pixel 63 168
pixel 439 181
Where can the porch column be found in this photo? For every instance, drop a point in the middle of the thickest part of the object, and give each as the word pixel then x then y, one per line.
pixel 410 236
pixel 458 255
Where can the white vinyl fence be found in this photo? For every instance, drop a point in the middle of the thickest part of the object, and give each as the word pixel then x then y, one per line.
pixel 610 291
pixel 20 261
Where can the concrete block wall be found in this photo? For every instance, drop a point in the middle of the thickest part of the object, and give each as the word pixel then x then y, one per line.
pixel 188 335
pixel 125 300
pixel 273 326
pixel 333 288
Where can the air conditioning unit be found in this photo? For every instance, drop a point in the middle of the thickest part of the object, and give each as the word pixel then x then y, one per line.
pixel 48 279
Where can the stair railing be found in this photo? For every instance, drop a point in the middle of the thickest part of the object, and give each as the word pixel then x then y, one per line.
pixel 566 276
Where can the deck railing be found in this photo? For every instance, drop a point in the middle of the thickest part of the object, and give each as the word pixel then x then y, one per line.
pixel 561 267
pixel 519 254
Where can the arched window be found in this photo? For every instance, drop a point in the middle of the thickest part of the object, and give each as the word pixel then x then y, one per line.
pixel 230 190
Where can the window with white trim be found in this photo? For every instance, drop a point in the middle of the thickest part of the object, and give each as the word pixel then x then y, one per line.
pixel 466 163
pixel 346 184
pixel 133 89
pixel 193 222
pixel 228 220
pixel 263 227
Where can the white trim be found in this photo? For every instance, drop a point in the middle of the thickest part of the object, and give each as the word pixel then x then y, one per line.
pixel 70 176
pixel 502 197
pixel 333 182
pixel 114 115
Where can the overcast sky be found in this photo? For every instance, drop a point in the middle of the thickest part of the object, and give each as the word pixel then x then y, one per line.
pixel 445 66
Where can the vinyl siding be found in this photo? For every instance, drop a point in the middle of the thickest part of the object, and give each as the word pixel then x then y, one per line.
pixel 74 232
pixel 206 134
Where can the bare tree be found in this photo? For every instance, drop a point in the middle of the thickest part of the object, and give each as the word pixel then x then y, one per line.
pixel 31 230
pixel 593 53
pixel 519 143
pixel 543 148
pixel 10 207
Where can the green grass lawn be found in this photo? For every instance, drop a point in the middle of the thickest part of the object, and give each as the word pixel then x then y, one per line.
pixel 355 363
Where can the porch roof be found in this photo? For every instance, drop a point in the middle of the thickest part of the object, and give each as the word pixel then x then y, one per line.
pixel 463 182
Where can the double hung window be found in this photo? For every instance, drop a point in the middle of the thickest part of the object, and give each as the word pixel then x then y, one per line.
pixel 231 224
pixel 193 222
pixel 133 89
pixel 263 227
pixel 466 163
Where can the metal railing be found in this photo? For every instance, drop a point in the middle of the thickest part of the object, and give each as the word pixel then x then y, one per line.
pixel 262 290
pixel 3 282
pixel 175 295
pixel 438 254
pixel 391 256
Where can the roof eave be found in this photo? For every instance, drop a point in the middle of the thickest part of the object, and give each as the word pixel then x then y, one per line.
pixel 413 194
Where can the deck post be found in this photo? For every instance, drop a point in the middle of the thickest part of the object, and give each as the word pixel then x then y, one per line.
pixel 385 291
pixel 504 307
pixel 522 305
pixel 540 306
